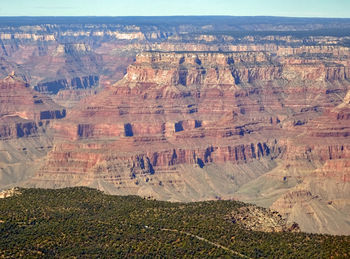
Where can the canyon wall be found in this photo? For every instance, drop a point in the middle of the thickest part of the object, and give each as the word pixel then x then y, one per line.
pixel 207 125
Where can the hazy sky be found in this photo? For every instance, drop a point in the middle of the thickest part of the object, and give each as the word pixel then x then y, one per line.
pixel 297 8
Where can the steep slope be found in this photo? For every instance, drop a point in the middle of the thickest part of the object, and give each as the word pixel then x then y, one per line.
pixel 24 119
pixel 324 194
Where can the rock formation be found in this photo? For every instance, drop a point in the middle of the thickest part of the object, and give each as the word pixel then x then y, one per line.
pixel 9 193
pixel 256 219
pixel 206 125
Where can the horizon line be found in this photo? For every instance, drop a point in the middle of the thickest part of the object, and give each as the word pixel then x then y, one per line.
pixel 175 15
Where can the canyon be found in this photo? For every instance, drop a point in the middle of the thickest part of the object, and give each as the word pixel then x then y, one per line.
pixel 177 112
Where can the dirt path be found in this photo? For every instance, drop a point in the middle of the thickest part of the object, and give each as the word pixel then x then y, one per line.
pixel 204 240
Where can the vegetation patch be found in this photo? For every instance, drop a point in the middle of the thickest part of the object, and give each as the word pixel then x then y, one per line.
pixel 82 222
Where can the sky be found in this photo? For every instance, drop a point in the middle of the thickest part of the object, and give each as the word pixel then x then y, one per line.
pixel 291 8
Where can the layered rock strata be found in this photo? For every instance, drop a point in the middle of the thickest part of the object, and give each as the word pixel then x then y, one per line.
pixel 209 125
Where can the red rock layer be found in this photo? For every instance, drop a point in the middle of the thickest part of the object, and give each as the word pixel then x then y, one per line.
pixel 167 97
pixel 23 110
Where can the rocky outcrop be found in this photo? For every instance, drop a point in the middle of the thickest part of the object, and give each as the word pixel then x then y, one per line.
pixel 21 128
pixel 54 87
pixel 9 193
pixel 18 100
pixel 256 219
pixel 201 68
